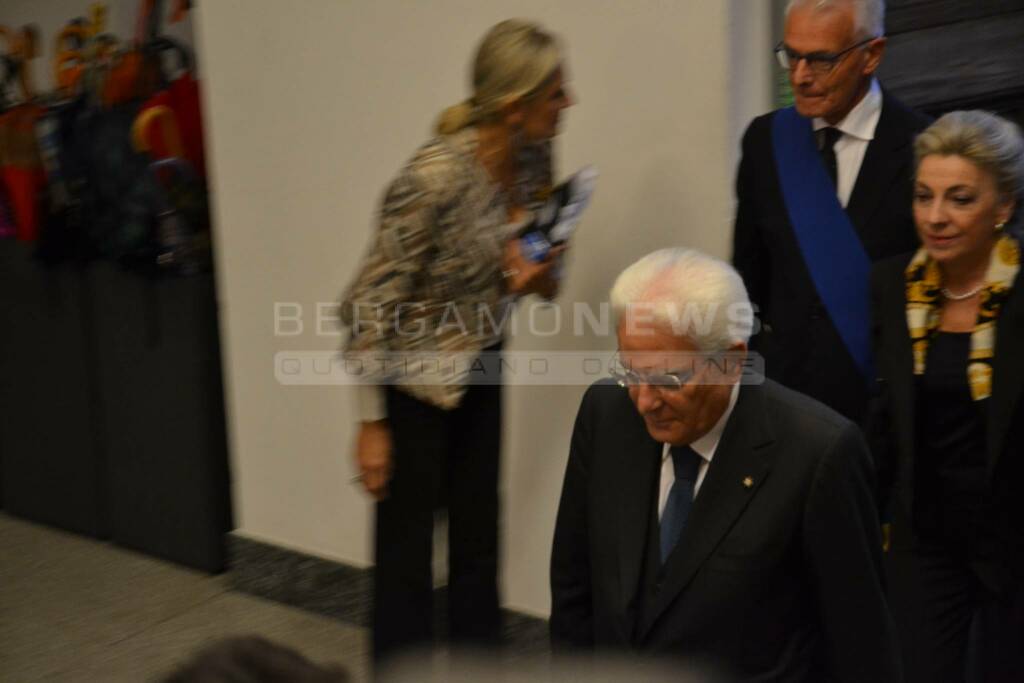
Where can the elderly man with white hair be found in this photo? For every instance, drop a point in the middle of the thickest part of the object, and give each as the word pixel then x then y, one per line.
pixel 823 191
pixel 710 517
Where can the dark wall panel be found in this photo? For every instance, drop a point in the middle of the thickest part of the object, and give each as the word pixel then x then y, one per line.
pixel 111 406
pixel 53 467
pixel 914 15
pixel 958 64
pixel 164 423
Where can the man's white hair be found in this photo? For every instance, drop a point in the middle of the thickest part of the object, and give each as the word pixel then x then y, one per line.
pixel 693 294
pixel 868 15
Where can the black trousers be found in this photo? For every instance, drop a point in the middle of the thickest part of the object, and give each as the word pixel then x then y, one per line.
pixel 952 627
pixel 454 455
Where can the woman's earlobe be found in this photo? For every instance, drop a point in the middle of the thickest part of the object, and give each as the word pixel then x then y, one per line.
pixel 514 117
pixel 512 111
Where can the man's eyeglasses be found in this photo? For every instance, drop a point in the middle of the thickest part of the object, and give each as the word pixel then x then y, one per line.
pixel 820 63
pixel 669 381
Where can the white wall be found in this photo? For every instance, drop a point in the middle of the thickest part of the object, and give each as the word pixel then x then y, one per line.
pixel 312 106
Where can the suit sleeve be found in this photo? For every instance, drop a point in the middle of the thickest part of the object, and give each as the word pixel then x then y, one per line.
pixel 749 253
pixel 572 623
pixel 843 552
pixel 878 423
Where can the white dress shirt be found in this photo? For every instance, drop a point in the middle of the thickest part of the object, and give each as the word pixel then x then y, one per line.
pixel 705 447
pixel 858 130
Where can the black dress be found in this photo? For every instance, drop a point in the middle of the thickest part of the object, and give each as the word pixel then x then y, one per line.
pixel 952 619
pixel 953 497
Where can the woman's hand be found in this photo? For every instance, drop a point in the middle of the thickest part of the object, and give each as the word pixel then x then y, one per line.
pixel 523 276
pixel 374 457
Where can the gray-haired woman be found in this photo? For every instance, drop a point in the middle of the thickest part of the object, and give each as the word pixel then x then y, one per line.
pixel 949 420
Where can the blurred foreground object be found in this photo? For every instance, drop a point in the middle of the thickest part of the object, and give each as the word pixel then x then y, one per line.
pixel 251 659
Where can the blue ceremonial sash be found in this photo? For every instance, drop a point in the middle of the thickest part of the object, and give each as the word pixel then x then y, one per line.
pixel 831 248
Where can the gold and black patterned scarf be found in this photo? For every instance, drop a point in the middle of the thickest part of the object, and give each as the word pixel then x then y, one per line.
pixel 924 298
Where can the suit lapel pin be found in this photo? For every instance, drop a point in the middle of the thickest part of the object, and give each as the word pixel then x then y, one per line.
pixel 748 482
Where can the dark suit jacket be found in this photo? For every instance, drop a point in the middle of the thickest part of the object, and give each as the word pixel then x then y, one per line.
pixel 779 579
pixel 800 345
pixel 891 424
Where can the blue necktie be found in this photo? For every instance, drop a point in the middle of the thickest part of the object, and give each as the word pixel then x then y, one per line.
pixel 685 462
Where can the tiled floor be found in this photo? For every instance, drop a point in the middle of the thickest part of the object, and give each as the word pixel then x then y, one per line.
pixel 73 609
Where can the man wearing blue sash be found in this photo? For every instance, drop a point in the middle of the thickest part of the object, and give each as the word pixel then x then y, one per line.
pixel 824 189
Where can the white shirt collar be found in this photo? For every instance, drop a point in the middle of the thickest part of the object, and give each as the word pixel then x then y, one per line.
pixel 706 445
pixel 862 120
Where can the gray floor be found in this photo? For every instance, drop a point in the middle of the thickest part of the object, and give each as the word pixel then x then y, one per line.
pixel 73 609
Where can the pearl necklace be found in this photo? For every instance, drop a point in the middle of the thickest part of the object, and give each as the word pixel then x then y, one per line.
pixel 960 297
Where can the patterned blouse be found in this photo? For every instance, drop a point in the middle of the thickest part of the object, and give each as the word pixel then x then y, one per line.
pixel 431 283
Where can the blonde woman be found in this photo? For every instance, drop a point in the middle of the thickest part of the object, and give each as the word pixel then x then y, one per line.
pixel 445 265
pixel 949 331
